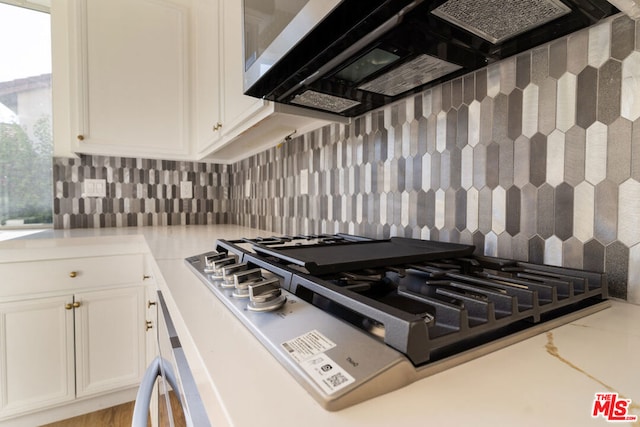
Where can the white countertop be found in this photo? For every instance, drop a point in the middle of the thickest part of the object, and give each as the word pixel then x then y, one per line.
pixel 550 379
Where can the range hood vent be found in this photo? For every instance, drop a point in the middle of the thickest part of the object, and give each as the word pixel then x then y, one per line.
pixel 499 20
pixel 347 57
pixel 323 101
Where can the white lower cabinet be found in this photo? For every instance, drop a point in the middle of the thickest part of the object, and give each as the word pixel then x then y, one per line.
pixel 37 368
pixel 75 331
pixel 110 339
pixel 61 348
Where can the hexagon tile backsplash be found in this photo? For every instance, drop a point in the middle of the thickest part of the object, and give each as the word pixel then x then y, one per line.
pixel 139 192
pixel 535 158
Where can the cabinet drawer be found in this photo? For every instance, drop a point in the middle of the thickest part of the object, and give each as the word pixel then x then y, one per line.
pixel 20 278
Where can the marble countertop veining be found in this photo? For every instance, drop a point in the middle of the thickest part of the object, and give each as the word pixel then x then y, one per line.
pixel 549 379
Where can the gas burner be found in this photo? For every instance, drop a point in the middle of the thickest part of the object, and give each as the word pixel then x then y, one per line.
pixel 397 309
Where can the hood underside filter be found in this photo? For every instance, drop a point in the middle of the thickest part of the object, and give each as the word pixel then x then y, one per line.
pixel 422 69
pixel 499 20
pixel 323 101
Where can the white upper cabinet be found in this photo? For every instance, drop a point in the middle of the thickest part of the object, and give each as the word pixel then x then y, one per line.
pixel 207 89
pixel 249 125
pixel 160 79
pixel 133 91
pixel 226 119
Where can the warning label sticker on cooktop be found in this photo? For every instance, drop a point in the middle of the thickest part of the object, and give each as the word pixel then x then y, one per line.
pixel 308 345
pixel 309 351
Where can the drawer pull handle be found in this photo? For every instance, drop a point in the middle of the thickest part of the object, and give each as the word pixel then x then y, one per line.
pixel 145 277
pixel 73 274
pixel 149 324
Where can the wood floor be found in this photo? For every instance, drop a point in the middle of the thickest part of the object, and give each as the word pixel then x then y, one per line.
pixel 120 416
pixel 117 416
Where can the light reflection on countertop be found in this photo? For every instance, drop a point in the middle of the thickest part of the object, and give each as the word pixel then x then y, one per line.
pixel 10 234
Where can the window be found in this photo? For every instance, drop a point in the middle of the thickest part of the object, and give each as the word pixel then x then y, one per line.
pixel 26 146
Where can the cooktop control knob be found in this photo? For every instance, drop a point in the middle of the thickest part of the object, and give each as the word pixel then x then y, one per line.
pixel 218 265
pixel 209 260
pixel 243 279
pixel 229 272
pixel 266 295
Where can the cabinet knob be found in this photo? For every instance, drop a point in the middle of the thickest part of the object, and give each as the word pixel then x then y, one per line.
pixel 149 324
pixel 80 137
pixel 76 304
pixel 73 274
pixel 150 303
pixel 68 306
pixel 145 277
pixel 217 126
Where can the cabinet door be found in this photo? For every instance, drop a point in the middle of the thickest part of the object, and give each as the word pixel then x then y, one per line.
pixel 151 319
pixel 207 84
pixel 36 367
pixel 134 78
pixel 110 339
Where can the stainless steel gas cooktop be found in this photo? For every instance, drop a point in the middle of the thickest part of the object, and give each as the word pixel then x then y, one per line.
pixel 352 318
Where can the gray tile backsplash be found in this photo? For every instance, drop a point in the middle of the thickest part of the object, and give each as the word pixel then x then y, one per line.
pixel 139 192
pixel 536 157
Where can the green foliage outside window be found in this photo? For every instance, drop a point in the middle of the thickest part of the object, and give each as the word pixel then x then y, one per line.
pixel 25 173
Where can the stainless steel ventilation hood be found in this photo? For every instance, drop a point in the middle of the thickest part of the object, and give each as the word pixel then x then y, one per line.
pixel 347 57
